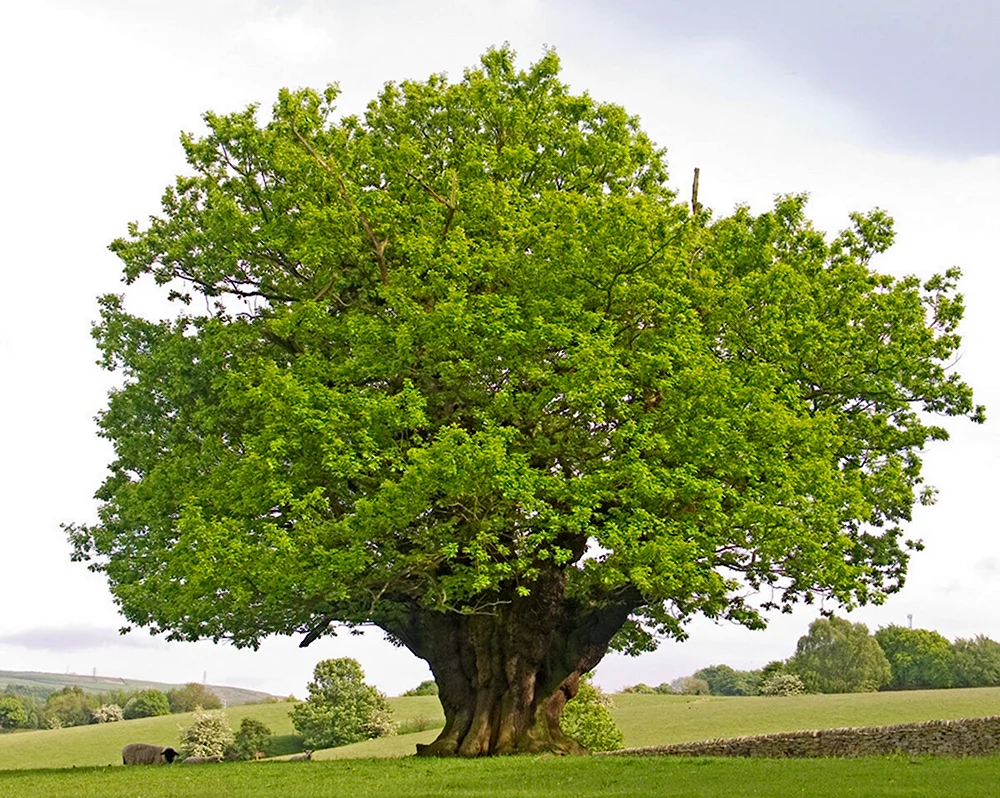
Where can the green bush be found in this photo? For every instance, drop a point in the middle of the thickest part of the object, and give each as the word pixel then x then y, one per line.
pixel 251 737
pixel 428 687
pixel 642 688
pixel 209 735
pixel 341 708
pixel 587 719
pixel 108 713
pixel 13 715
pixel 146 704
pixel 782 684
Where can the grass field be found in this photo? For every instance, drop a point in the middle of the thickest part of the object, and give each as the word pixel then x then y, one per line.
pixel 520 777
pixel 644 719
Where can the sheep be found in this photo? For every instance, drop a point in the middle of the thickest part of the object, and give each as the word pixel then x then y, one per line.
pixel 307 754
pixel 146 754
pixel 201 760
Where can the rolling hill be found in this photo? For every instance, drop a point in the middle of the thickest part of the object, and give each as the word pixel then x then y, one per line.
pixel 230 696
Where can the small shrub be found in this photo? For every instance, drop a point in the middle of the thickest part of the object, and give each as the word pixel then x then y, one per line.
pixel 783 684
pixel 664 688
pixel 108 713
pixel 427 687
pixel 587 719
pixel 251 738
pixel 209 735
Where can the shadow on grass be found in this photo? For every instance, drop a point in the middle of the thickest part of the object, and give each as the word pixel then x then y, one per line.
pixel 283 744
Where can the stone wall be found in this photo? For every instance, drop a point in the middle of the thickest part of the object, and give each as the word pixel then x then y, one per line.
pixel 965 737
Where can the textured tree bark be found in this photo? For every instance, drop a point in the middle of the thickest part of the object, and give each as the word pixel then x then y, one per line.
pixel 504 676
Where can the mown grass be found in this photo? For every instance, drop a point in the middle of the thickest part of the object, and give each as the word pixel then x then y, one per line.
pixel 521 777
pixel 644 719
pixel 662 719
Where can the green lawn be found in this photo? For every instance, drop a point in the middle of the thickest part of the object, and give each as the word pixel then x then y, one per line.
pixel 519 777
pixel 662 719
pixel 645 720
pixel 101 744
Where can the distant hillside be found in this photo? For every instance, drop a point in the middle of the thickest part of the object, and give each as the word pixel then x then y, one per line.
pixel 230 696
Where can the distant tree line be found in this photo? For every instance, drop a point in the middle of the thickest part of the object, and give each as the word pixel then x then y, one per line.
pixel 23 707
pixel 837 656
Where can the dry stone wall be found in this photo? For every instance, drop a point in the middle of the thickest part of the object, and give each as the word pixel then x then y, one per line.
pixel 964 737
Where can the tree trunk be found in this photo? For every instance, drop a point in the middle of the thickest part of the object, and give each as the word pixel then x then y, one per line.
pixel 505 675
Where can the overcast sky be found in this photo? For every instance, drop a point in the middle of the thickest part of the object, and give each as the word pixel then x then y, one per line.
pixel 890 104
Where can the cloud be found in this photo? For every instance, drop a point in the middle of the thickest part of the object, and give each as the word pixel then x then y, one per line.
pixel 76 638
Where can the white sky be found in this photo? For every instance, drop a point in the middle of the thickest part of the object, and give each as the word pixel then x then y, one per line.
pixel 95 93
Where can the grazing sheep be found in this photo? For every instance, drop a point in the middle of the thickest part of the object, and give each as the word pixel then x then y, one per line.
pixel 146 754
pixel 308 754
pixel 201 760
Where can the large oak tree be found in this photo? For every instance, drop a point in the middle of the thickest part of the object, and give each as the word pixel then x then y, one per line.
pixel 465 369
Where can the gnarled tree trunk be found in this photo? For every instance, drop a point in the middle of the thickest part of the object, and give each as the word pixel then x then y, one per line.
pixel 505 675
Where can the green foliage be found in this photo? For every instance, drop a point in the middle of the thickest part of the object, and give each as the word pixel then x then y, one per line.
pixel 423 358
pixel 587 719
pixel 70 706
pixel 208 735
pixel 976 662
pixel 642 688
pixel 428 687
pixel 781 684
pixel 690 685
pixel 838 656
pixel 251 737
pixel 13 715
pixel 920 659
pixel 664 688
pixel 146 704
pixel 341 708
pixel 724 680
pixel 191 696
pixel 108 713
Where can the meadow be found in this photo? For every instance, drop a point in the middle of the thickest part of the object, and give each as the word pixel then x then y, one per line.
pixel 74 761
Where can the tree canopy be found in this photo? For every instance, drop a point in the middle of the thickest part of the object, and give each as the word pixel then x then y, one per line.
pixel 838 656
pixel 465 368
pixel 919 658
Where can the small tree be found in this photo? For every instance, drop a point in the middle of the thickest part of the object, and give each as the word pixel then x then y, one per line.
pixel 146 704
pixel 838 656
pixel 252 736
pixel 919 658
pixel 209 735
pixel 587 718
pixel 13 715
pixel 108 713
pixel 341 708
pixel 191 696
